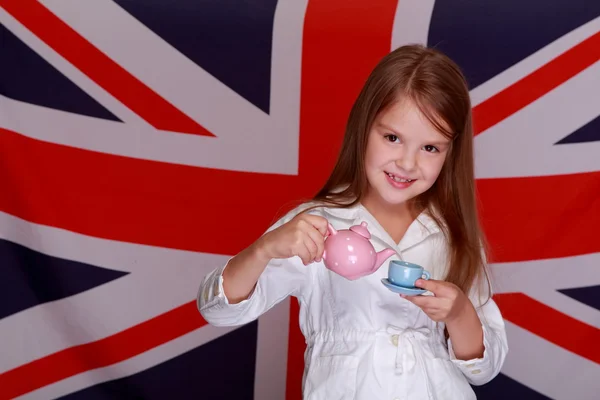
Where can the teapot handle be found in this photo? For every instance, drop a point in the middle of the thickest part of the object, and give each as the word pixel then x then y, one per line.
pixel 330 230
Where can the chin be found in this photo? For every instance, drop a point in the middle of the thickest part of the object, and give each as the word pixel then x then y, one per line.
pixel 397 197
pixel 396 200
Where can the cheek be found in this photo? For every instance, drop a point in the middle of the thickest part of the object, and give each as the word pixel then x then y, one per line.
pixel 434 167
pixel 378 155
pixel 371 155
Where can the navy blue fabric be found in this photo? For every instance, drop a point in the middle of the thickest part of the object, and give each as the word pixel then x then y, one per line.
pixel 589 295
pixel 29 278
pixel 222 369
pixel 590 132
pixel 503 387
pixel 27 77
pixel 230 39
pixel 487 37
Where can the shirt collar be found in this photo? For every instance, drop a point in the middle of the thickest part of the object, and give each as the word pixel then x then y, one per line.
pixel 421 228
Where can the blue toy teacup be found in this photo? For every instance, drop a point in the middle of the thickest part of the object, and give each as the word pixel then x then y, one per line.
pixel 405 274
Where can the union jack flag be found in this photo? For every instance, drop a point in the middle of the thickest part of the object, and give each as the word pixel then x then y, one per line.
pixel 135 135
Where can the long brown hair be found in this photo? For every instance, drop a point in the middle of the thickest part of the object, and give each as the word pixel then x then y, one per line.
pixel 438 88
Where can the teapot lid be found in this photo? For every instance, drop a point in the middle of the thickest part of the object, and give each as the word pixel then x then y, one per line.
pixel 361 230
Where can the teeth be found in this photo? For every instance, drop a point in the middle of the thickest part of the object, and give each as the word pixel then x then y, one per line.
pixel 395 178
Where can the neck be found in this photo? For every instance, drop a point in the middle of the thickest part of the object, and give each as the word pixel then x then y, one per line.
pixel 394 218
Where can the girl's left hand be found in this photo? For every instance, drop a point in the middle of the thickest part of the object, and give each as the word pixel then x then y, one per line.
pixel 447 304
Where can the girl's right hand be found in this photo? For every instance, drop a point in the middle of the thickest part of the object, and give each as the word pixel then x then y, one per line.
pixel 302 236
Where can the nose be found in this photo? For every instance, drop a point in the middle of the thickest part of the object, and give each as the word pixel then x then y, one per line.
pixel 407 161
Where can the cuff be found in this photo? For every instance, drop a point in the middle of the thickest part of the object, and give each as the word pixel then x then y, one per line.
pixel 476 369
pixel 213 294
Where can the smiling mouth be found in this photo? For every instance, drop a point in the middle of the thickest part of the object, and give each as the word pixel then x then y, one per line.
pixel 399 179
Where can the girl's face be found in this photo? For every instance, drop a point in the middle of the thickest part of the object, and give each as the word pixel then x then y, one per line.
pixel 404 155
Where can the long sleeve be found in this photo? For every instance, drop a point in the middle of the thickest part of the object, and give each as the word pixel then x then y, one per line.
pixel 480 371
pixel 280 279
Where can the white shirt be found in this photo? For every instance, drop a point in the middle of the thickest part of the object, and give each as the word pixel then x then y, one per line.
pixel 364 341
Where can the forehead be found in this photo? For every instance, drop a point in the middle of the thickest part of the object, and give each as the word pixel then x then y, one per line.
pixel 404 118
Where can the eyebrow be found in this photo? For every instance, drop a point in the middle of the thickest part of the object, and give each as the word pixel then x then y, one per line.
pixel 397 132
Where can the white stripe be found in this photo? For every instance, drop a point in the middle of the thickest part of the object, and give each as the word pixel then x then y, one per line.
pixel 549 369
pixel 113 254
pixel 566 305
pixel 131 366
pixel 161 280
pixel 196 92
pixel 71 72
pixel 540 279
pixel 92 315
pixel 526 138
pixel 286 69
pixel 523 144
pixel 411 22
pixel 146 143
pixel 158 64
pixel 533 62
pixel 553 273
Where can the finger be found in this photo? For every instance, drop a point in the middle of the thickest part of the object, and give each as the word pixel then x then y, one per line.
pixel 432 285
pixel 318 241
pixel 311 247
pixel 319 223
pixel 301 250
pixel 305 256
pixel 434 315
pixel 424 301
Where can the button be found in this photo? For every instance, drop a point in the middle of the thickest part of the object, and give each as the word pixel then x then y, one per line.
pixel 395 340
pixel 476 371
pixel 470 365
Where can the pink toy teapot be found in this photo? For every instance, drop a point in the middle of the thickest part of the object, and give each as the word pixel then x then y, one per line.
pixel 349 253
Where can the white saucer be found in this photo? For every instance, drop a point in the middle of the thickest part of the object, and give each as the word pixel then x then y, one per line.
pixel 402 289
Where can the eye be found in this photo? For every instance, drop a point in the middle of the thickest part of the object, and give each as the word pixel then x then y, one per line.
pixel 392 138
pixel 430 149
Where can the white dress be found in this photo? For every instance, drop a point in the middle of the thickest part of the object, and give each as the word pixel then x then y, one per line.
pixel 363 341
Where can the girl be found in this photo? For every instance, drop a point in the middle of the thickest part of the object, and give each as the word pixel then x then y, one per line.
pixel 406 168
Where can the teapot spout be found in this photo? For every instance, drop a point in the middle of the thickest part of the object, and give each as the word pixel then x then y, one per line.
pixel 382 256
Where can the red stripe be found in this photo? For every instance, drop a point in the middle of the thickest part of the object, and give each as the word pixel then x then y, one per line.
pixel 541 217
pixel 166 205
pixel 142 201
pixel 538 83
pixel 337 33
pixel 101 353
pixel 142 100
pixel 550 324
